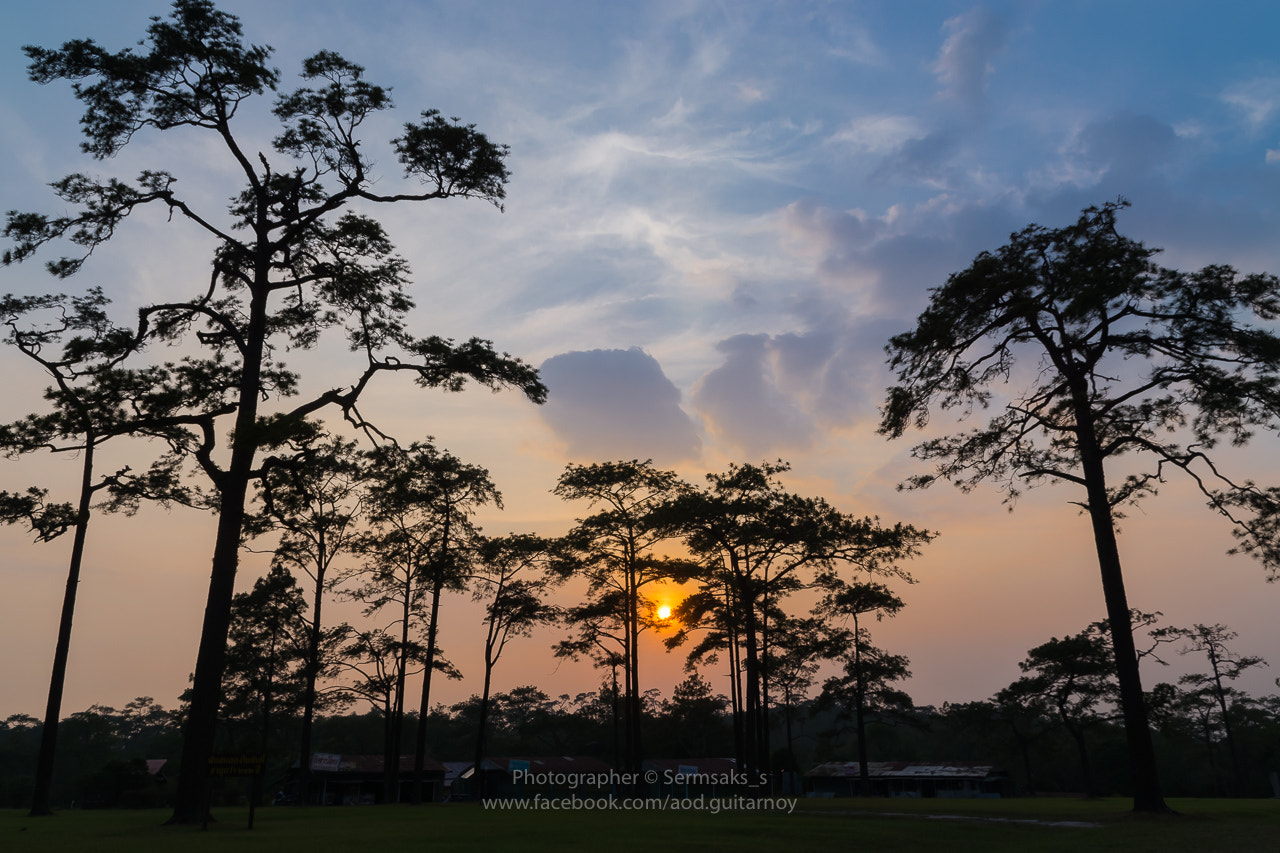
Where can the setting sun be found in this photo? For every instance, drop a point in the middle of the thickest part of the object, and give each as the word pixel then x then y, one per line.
pixel 664 612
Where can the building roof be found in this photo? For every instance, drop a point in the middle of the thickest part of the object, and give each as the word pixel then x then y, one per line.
pixel 455 769
pixel 907 770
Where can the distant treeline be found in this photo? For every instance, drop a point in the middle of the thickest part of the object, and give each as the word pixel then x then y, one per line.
pixel 103 751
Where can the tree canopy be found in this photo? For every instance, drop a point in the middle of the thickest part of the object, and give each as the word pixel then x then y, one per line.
pixel 295 258
pixel 1088 352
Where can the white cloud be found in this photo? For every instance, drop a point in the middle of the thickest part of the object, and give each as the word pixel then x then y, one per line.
pixel 750 93
pixel 879 134
pixel 1257 99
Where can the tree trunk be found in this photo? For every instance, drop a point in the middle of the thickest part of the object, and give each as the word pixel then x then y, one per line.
pixel 312 674
pixel 420 750
pixel 635 710
pixel 1024 746
pixel 1086 767
pixel 859 713
pixel 786 712
pixel 1220 693
pixel 41 804
pixel 392 769
pixel 617 722
pixel 233 488
pixel 1142 758
pixel 752 715
pixel 763 749
pixel 735 678
pixel 257 790
pixel 477 772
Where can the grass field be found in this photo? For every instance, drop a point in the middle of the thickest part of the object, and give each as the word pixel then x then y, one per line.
pixel 866 825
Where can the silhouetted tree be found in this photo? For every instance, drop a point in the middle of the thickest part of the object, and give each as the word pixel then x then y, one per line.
pixel 447 491
pixel 265 679
pixel 379 661
pixel 599 626
pixel 1070 680
pixel 867 685
pixel 798 650
pixel 93 401
pixel 1211 688
pixel 406 565
pixel 695 720
pixel 1121 356
pixel 615 554
pixel 293 259
pixel 757 543
pixel 512 577
pixel 710 616
pixel 313 503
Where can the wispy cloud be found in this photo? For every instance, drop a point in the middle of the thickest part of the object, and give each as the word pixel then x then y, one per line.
pixel 966 60
pixel 1257 100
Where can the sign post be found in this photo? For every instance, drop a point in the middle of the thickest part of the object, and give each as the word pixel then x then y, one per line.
pixel 251 764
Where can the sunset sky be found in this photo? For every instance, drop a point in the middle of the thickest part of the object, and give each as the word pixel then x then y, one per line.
pixel 718 214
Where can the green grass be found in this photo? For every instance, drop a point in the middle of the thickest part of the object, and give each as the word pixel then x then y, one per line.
pixel 986 825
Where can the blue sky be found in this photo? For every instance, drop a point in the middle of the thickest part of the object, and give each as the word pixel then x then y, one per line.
pixel 718 214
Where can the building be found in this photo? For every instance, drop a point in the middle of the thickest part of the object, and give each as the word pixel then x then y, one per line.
pixel 545 776
pixel 910 779
pixel 359 779
pixel 690 777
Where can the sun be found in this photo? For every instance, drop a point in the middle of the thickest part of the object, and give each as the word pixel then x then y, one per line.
pixel 664 612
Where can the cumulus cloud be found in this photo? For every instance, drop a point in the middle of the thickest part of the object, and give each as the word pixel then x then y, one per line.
pixel 616 404
pixel 743 405
pixel 775 394
pixel 964 63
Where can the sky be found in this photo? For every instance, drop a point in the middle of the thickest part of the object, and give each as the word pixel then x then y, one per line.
pixel 718 214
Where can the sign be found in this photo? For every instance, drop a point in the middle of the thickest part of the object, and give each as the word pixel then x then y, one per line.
pixel 326 762
pixel 237 764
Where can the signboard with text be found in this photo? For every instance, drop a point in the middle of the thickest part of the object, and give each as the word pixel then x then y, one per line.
pixel 237 764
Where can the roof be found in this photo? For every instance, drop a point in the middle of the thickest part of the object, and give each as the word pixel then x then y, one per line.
pixel 454 769
pixel 907 770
